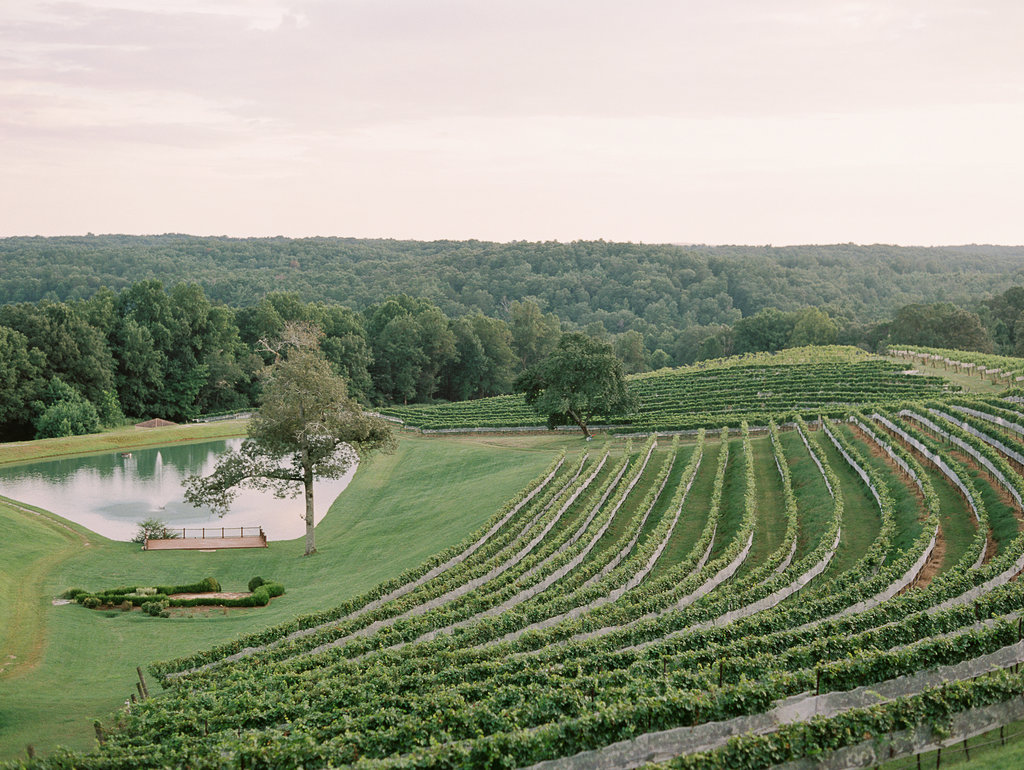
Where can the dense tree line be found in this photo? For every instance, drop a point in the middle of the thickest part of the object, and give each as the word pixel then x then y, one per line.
pixel 675 297
pixel 171 352
pixel 154 351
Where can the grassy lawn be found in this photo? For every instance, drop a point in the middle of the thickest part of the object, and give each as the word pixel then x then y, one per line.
pixel 76 665
pixel 33 545
pixel 987 752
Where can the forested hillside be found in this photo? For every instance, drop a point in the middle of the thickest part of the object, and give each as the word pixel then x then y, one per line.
pixel 620 285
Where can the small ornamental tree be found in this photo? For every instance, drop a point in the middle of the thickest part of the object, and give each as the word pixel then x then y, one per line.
pixel 153 529
pixel 580 379
pixel 306 427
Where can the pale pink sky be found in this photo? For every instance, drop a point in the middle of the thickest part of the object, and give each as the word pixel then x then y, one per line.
pixel 741 121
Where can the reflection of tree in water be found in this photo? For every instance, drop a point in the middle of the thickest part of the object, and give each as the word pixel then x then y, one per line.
pixel 145 463
pixel 111 494
pixel 186 458
pixel 105 465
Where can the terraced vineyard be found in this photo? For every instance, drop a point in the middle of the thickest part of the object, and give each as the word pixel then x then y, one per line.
pixel 843 590
pixel 1005 369
pixel 716 393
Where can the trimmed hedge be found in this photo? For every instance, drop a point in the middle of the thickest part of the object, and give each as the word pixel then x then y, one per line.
pixel 156 599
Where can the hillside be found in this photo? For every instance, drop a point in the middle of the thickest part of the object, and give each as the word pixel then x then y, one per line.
pixel 638 597
pixel 715 393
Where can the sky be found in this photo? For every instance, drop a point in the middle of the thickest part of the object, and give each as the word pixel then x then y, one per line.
pixel 655 121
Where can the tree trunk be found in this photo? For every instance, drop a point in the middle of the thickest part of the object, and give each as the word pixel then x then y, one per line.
pixel 579 421
pixel 307 484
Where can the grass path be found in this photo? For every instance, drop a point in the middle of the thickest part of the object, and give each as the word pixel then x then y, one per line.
pixel 34 543
pixel 906 498
pixel 694 514
pixel 733 488
pixel 862 520
pixel 813 503
pixel 771 509
pixel 955 518
pixel 398 510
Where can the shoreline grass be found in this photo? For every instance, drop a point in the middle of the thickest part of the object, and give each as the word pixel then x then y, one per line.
pixel 118 439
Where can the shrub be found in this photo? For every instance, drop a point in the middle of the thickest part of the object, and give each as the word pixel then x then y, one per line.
pixel 73 593
pixel 137 599
pixel 125 606
pixel 204 586
pixel 91 602
pixel 155 608
pixel 209 584
pixel 274 589
pixel 261 596
pixel 153 529
pixel 255 583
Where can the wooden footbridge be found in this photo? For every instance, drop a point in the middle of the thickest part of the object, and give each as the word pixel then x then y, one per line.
pixel 208 538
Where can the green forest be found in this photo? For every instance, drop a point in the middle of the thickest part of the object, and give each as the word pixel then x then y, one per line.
pixel 94 329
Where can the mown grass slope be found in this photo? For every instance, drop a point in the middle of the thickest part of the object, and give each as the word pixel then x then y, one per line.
pixel 398 510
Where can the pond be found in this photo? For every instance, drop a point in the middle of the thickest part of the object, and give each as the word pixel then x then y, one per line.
pixel 111 493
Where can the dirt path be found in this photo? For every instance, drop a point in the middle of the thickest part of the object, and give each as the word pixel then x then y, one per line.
pixel 220 595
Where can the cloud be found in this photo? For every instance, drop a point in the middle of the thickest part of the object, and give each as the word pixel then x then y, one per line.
pixel 421 107
pixel 252 14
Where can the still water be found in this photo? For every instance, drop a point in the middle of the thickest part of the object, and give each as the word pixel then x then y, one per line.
pixel 111 493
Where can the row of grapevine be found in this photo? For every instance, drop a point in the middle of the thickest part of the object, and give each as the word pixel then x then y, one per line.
pixel 694 397
pixel 1004 368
